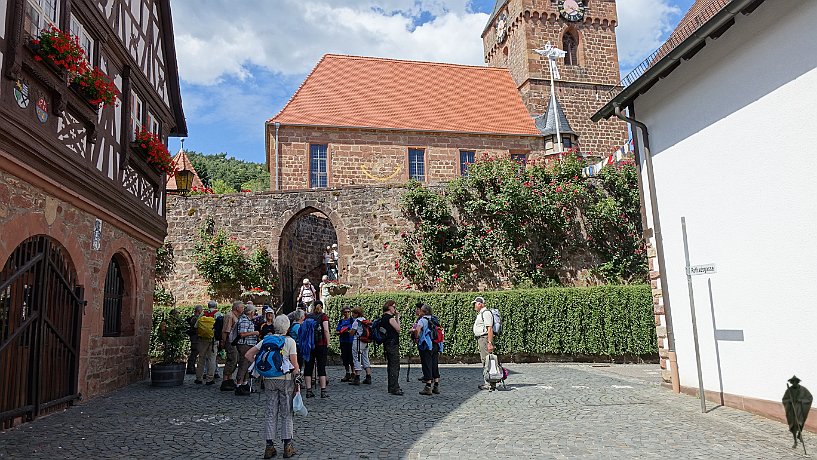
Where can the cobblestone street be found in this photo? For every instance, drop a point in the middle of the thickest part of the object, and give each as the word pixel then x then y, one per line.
pixel 548 411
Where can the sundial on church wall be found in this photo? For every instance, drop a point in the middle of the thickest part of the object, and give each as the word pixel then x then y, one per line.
pixel 382 168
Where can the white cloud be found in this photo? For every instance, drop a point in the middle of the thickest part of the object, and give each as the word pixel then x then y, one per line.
pixel 643 27
pixel 215 39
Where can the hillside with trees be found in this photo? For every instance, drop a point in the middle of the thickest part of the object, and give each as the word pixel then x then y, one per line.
pixel 225 174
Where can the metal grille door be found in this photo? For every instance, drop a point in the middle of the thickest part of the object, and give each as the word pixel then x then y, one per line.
pixel 40 322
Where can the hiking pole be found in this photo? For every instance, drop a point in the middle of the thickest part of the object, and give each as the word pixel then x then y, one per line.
pixel 408 368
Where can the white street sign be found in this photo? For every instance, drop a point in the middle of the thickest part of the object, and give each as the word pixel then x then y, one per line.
pixel 701 269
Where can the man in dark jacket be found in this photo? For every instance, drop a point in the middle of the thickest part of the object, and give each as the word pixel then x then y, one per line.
pixel 194 339
pixel 390 321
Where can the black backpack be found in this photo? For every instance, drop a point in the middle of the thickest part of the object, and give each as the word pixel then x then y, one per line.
pixel 218 327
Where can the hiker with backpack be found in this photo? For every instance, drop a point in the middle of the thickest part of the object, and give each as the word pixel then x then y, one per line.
pixel 344 331
pixel 194 338
pixel 427 332
pixel 229 336
pixel 206 343
pixel 307 295
pixel 313 344
pixel 362 333
pixel 247 338
pixel 275 359
pixel 486 327
pixel 389 323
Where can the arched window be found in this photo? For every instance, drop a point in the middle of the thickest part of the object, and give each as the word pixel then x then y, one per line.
pixel 112 306
pixel 570 44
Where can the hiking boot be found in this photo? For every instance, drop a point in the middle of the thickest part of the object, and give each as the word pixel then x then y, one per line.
pixel 289 450
pixel 228 385
pixel 484 386
pixel 210 382
pixel 426 391
pixel 355 381
pixel 397 392
pixel 197 382
pixel 368 380
pixel 436 389
pixel 242 390
pixel 310 393
pixel 324 394
pixel 346 378
pixel 216 376
pixel 270 452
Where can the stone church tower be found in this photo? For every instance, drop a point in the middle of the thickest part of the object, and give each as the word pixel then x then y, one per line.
pixel 586 29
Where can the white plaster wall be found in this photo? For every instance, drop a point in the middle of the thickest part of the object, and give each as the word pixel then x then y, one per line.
pixel 734 138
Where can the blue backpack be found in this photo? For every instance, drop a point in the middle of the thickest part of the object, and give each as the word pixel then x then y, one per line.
pixel 306 338
pixel 378 332
pixel 270 360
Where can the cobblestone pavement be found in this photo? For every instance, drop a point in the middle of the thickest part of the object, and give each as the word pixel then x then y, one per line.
pixel 549 411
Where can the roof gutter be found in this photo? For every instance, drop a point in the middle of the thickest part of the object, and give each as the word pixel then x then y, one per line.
pixel 684 51
pixel 659 241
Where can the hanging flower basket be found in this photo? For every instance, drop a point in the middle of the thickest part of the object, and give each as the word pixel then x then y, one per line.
pixel 150 147
pixel 60 49
pixel 338 288
pixel 257 296
pixel 96 88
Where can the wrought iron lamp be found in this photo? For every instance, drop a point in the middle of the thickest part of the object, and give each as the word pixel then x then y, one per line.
pixel 184 181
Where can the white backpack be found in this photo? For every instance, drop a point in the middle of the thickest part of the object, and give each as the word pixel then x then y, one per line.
pixel 493 372
pixel 497 323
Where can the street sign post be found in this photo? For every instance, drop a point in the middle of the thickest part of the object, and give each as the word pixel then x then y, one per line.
pixel 689 271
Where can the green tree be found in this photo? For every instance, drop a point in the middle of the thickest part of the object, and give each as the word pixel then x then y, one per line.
pixel 220 187
pixel 237 174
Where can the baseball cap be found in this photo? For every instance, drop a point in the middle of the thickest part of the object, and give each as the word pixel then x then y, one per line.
pixel 478 300
pixel 268 310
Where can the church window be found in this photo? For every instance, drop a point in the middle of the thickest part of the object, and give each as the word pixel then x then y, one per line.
pixel 417 164
pixel 571 47
pixel 466 158
pixel 318 175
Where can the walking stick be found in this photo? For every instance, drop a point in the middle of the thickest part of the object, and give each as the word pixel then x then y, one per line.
pixel 408 368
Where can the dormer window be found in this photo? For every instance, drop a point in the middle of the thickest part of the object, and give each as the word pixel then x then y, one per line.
pixel 38 15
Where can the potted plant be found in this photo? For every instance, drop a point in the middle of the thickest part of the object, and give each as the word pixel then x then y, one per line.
pixel 336 288
pixel 61 50
pixel 150 147
pixel 95 87
pixel 168 352
pixel 257 295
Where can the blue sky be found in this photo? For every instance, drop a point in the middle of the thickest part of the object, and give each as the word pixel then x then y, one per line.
pixel 239 67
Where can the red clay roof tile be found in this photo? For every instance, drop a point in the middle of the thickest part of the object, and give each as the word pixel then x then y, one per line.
pixel 366 92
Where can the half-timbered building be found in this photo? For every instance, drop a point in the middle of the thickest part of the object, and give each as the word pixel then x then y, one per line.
pixel 81 211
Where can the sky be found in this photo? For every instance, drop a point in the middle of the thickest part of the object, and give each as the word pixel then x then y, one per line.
pixel 240 66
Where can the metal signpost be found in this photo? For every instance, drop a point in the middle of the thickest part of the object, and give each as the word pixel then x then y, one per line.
pixel 691 271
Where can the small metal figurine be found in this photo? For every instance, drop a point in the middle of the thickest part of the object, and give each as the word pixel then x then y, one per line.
pixel 797 402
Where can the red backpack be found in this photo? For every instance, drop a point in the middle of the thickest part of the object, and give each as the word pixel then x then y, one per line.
pixel 366 334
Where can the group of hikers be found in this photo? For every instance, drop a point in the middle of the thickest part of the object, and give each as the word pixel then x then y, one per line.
pixel 289 352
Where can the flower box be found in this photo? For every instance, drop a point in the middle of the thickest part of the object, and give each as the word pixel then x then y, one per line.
pixel 338 289
pixel 150 147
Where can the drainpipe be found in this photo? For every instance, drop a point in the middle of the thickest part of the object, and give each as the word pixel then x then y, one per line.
pixel 659 243
pixel 277 172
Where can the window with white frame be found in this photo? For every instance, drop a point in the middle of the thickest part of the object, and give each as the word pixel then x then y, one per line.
pixel 153 124
pixel 38 15
pixel 136 110
pixel 417 164
pixel 85 40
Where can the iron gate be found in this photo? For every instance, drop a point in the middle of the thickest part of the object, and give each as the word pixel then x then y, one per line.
pixel 40 321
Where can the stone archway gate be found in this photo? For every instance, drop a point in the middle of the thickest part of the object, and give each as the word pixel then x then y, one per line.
pixel 367 221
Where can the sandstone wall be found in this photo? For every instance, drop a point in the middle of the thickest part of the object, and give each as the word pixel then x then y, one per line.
pixel 105 363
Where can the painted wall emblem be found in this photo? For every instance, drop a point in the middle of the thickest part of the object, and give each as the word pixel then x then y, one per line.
pixel 21 94
pixel 42 110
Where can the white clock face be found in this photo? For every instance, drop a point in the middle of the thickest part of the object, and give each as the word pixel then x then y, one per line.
pixel 572 10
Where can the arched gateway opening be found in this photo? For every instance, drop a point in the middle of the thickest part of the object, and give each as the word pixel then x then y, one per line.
pixel 301 245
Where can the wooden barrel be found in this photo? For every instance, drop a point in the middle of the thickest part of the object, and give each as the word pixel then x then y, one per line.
pixel 167 375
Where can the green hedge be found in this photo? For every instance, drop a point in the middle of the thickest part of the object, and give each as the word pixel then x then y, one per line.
pixel 595 321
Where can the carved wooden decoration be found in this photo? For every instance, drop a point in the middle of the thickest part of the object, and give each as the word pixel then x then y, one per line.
pixel 136 24
pixel 140 187
pixel 72 133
